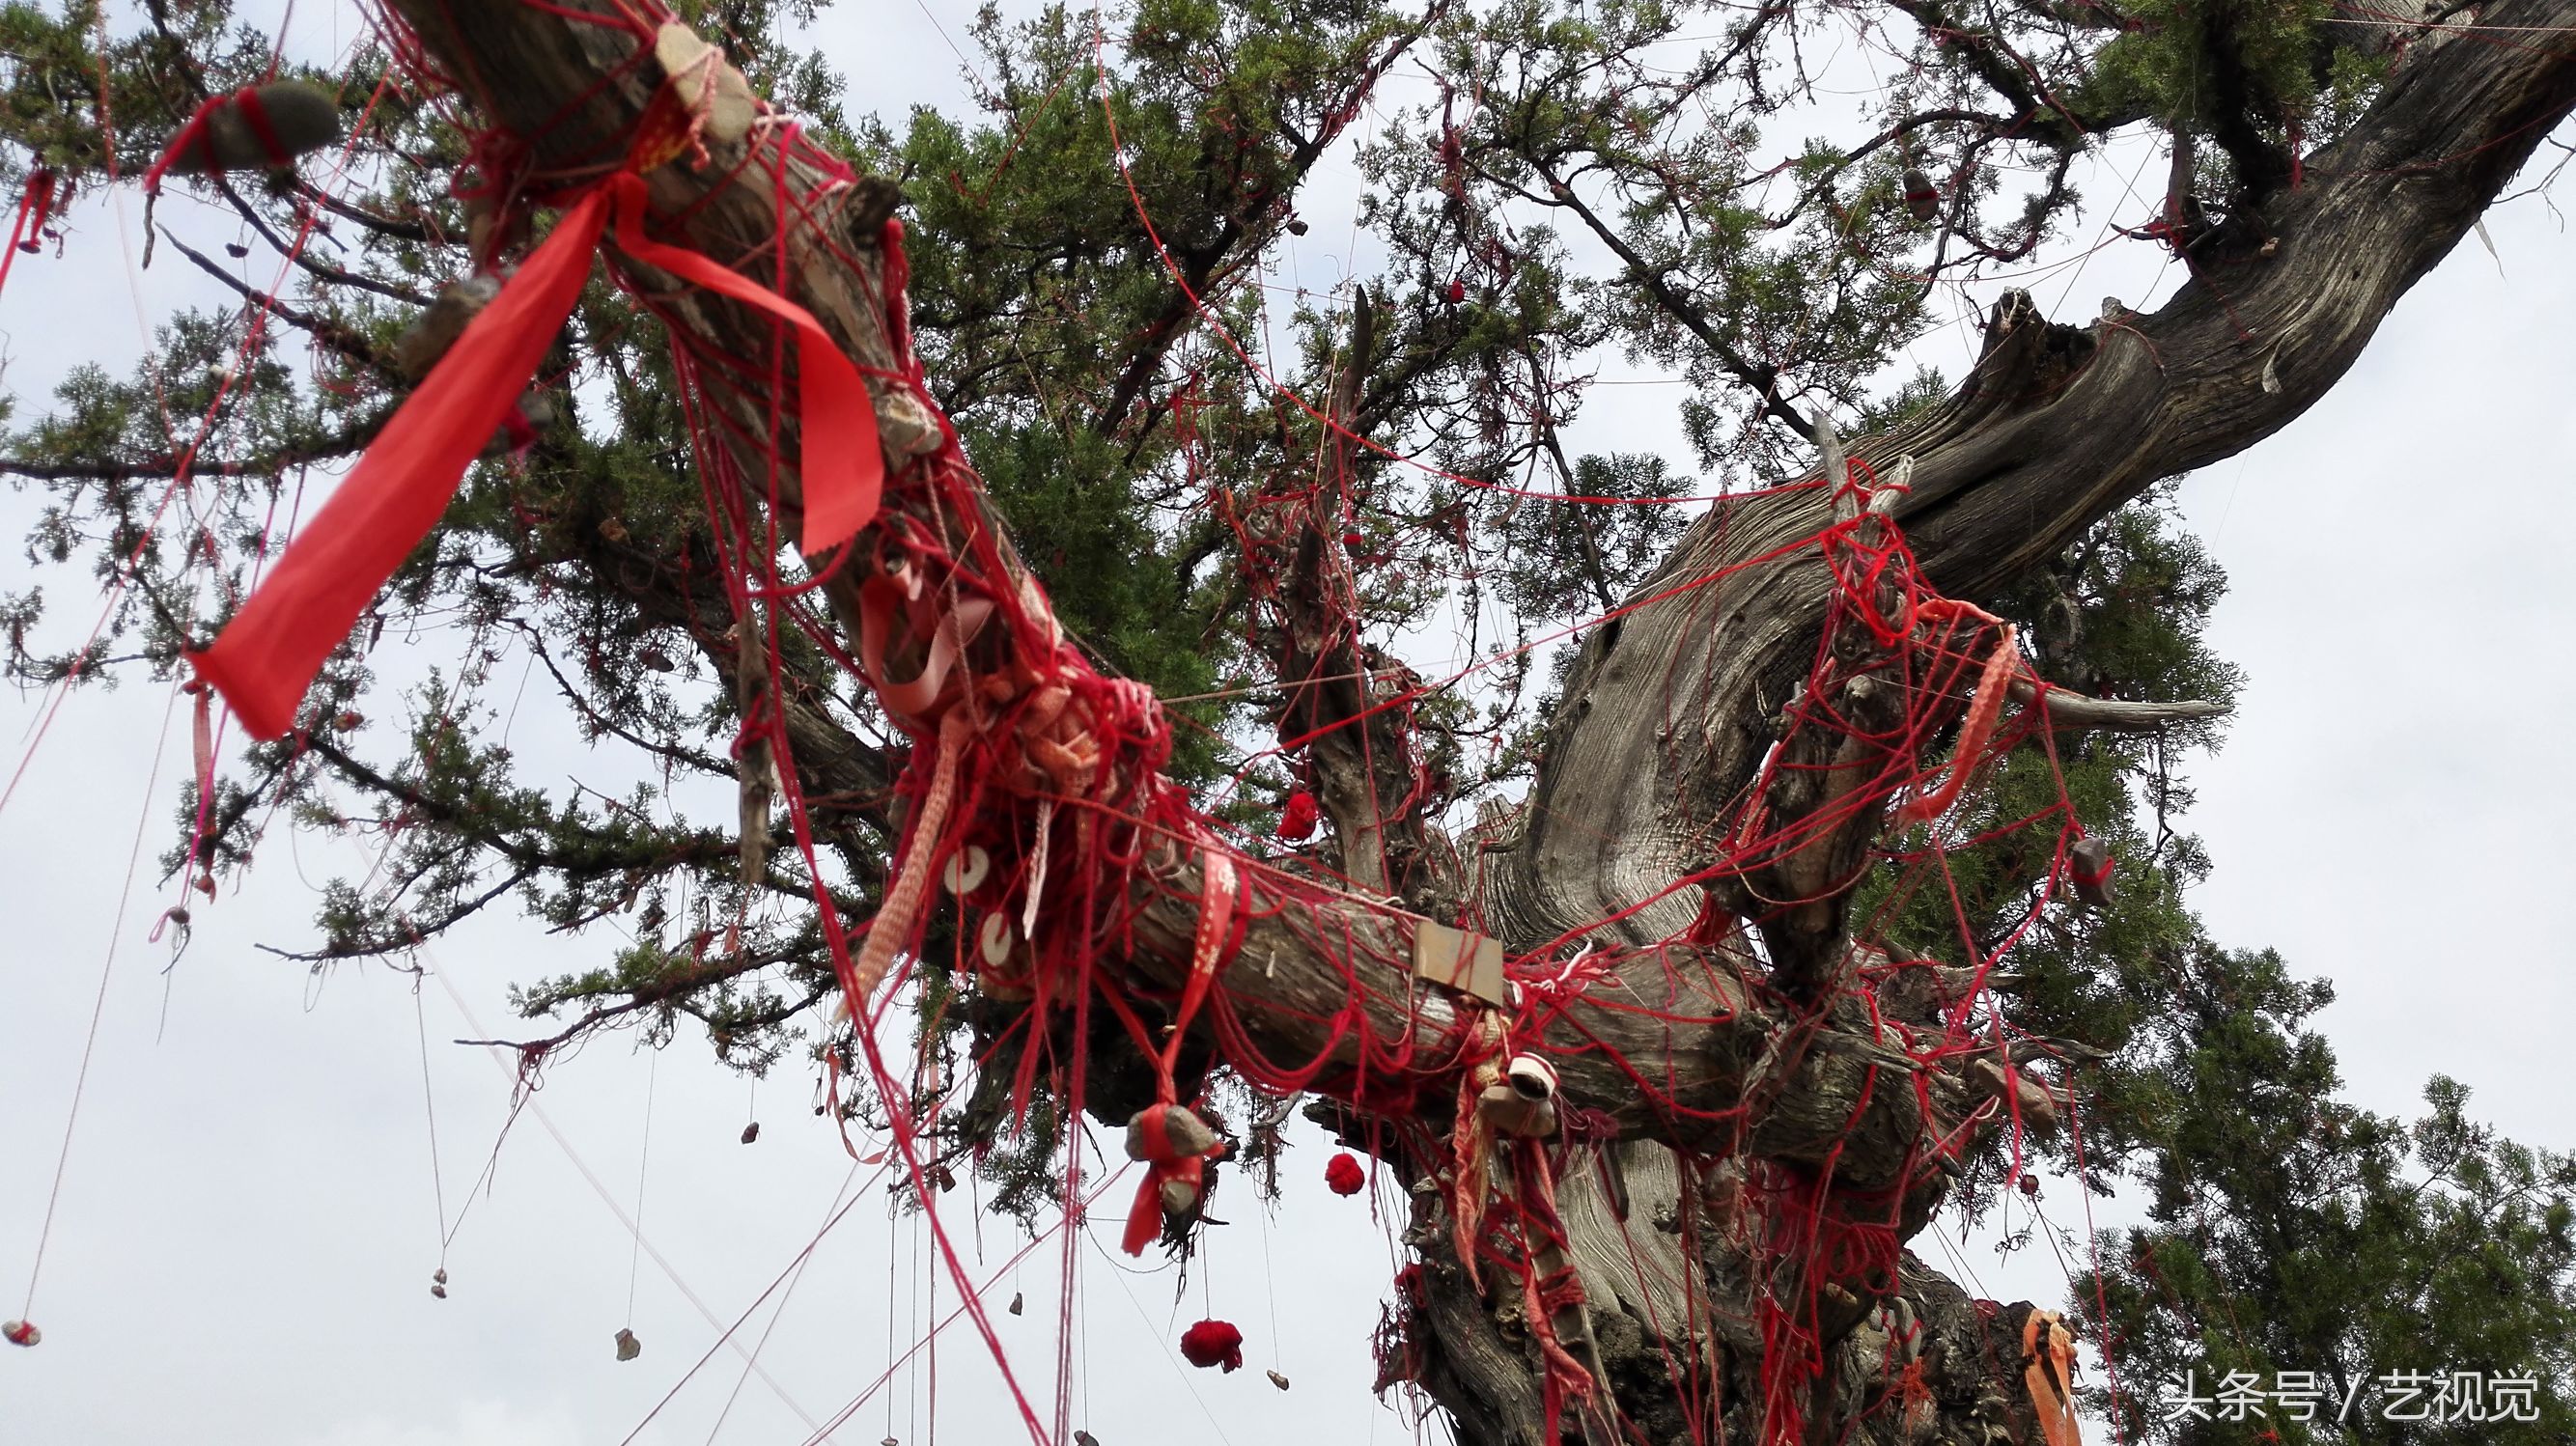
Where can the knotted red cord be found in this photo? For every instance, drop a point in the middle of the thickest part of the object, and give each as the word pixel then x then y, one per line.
pixel 269 653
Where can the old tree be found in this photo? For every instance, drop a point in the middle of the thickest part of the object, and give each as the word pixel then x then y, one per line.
pixel 1778 995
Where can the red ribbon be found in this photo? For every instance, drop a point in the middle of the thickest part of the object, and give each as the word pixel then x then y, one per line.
pixel 842 466
pixel 34 204
pixel 268 654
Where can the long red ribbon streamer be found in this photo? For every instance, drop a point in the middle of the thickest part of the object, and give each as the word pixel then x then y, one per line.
pixel 841 465
pixel 268 654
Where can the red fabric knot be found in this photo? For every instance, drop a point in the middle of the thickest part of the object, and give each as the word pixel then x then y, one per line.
pixel 1343 1176
pixel 24 1333
pixel 1297 819
pixel 1213 1343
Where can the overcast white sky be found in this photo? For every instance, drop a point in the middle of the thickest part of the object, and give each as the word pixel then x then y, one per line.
pixel 248 1225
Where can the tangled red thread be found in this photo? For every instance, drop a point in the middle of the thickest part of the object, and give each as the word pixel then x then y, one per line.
pixel 1213 1343
pixel 1344 1175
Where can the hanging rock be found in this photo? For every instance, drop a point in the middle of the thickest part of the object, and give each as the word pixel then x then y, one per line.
pixel 1085 1438
pixel 1168 1132
pixel 2088 865
pixel 519 428
pixel 628 1347
pixel 1180 1199
pixel 423 342
pixel 1019 1302
pixel 1213 1343
pixel 1922 198
pixel 751 1132
pixel 256 129
pixel 21 1333
pixel 1277 1379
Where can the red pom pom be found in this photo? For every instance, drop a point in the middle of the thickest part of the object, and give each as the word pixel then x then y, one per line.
pixel 1213 1343
pixel 1457 290
pixel 1297 820
pixel 1344 1175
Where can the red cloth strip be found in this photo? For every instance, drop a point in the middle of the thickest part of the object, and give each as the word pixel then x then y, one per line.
pixel 842 464
pixel 267 655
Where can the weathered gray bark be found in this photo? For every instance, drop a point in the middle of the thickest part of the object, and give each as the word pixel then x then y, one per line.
pixel 2055 428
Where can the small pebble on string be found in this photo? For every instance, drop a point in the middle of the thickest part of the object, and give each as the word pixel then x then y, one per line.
pixel 628 1347
pixel 2089 865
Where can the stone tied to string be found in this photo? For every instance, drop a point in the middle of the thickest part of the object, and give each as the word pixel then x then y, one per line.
pixel 267 656
pixel 1171 1141
pixel 259 127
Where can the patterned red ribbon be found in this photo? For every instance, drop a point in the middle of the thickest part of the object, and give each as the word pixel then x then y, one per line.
pixel 268 654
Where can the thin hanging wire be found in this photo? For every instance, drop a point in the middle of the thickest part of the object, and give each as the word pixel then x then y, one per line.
pixel 643 1165
pixel 97 1009
pixel 429 1106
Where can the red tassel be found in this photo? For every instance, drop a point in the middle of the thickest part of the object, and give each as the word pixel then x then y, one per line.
pixel 1297 819
pixel 1212 1343
pixel 1343 1176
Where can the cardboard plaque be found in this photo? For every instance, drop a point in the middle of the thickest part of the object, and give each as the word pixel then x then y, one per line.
pixel 1468 962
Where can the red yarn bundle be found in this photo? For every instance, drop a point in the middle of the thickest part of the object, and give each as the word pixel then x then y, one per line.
pixel 1344 1176
pixel 1213 1343
pixel 1297 817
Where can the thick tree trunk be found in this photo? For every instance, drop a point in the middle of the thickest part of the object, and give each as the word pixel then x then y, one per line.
pixel 1664 723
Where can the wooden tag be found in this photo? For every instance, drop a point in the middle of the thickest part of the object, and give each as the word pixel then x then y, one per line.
pixel 1468 962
